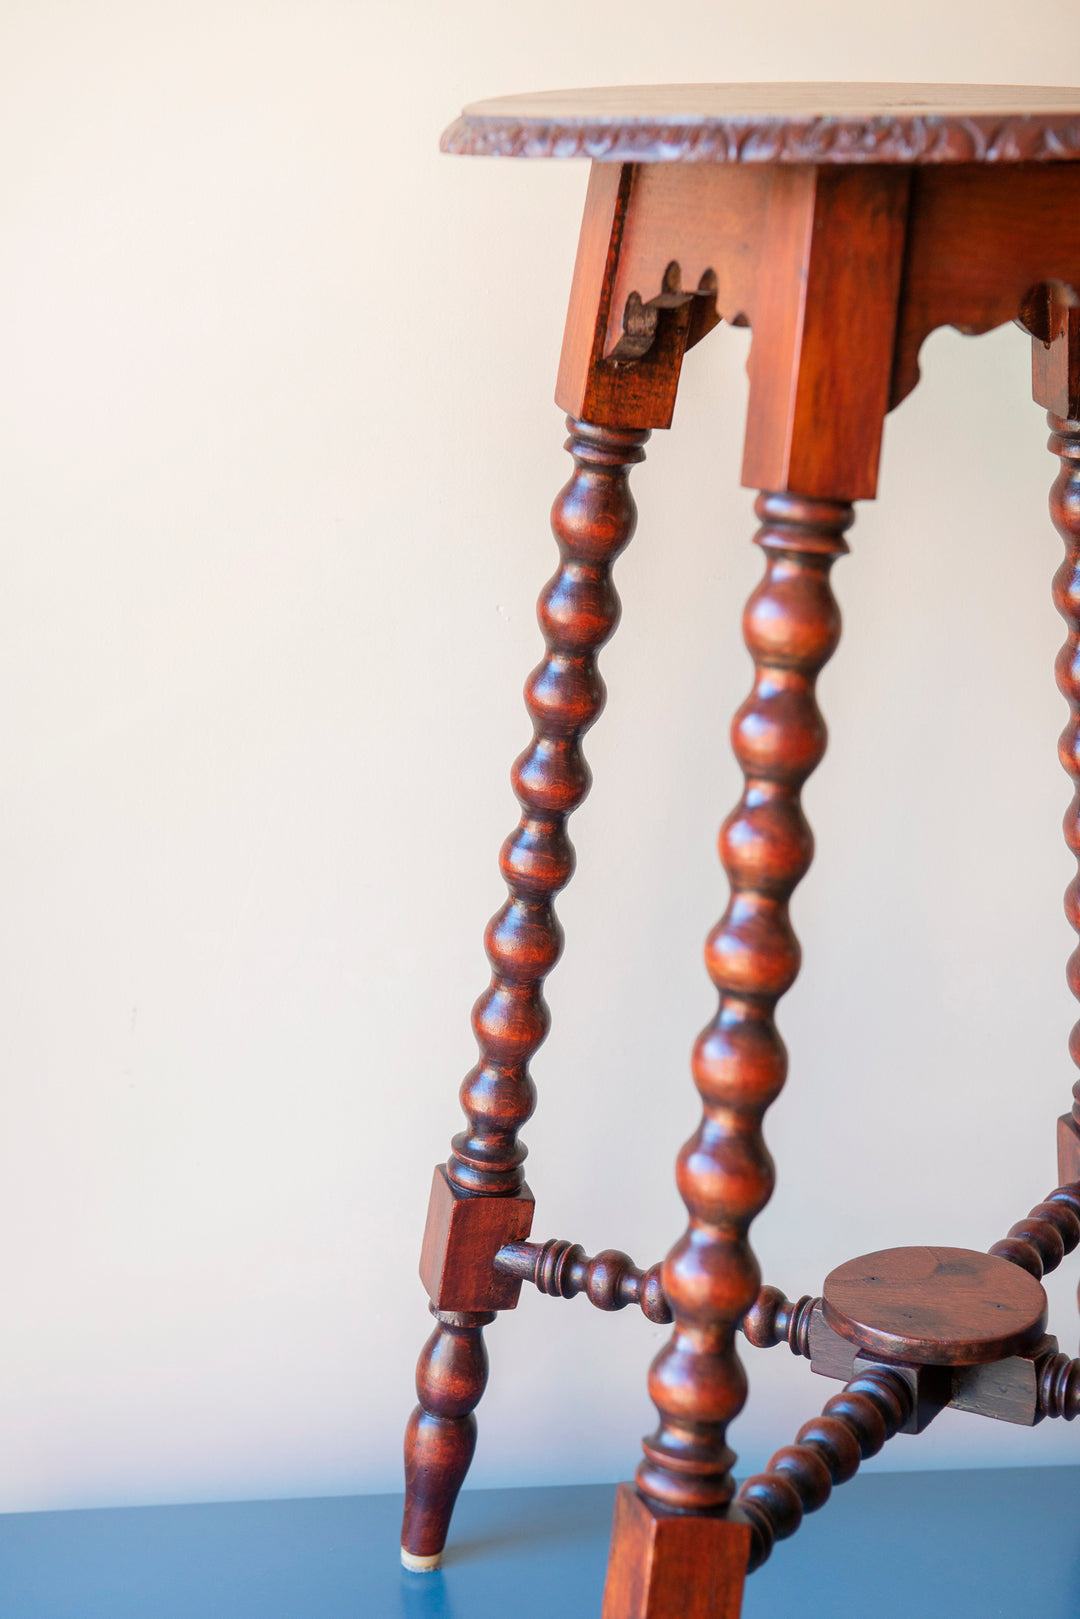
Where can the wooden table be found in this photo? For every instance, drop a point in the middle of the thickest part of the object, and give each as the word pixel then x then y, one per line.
pixel 843 224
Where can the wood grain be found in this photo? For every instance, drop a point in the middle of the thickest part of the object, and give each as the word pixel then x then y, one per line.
pixel 1048 1232
pixel 725 1175
pixel 853 1425
pixel 979 243
pixel 592 519
pixel 824 315
pixel 610 1281
pixel 935 1306
pixel 665 1566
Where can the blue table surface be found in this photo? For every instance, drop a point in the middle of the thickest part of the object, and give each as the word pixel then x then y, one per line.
pixel 993 1544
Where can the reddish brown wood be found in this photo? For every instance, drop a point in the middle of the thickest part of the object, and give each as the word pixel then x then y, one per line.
pixel 844 228
pixel 853 1425
pixel 725 1174
pixel 810 257
pixel 779 123
pixel 980 241
pixel 1059 1387
pixel 563 1270
pixel 935 1306
pixel 663 254
pixel 1068 1148
pixel 462 1236
pixel 1065 513
pixel 1052 316
pixel 930 1388
pixel 441 1435
pixel 773 1319
pixel 593 519
pixel 1051 1230
pixel 663 1566
pixel 824 314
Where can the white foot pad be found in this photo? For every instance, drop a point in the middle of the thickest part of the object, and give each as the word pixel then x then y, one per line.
pixel 420 1565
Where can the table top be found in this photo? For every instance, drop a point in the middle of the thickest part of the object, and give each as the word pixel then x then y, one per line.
pixel 779 123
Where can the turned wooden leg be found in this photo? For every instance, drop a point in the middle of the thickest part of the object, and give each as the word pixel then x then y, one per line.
pixel 1065 511
pixel 479 1200
pixel 725 1174
pixel 1050 315
pixel 441 1435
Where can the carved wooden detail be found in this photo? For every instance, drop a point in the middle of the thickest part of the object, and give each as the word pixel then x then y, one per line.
pixel 592 519
pixel 725 1174
pixel 979 245
pixel 843 224
pixel 1059 1387
pixel 1052 1230
pixel 773 1319
pixel 666 1566
pixel 610 1281
pixel 1065 514
pixel 463 1234
pixel 777 124
pixel 935 1306
pixel 853 1425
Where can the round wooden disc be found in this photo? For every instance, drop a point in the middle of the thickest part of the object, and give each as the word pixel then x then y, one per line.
pixel 935 1306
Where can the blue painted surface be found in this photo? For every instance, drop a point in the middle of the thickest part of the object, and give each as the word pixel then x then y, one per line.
pixel 972 1545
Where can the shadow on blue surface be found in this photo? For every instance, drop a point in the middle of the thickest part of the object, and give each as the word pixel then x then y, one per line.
pixel 973 1545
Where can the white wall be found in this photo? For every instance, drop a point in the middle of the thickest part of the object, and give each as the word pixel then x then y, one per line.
pixel 276 452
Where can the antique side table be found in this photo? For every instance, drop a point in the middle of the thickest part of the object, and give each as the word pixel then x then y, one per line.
pixel 843 224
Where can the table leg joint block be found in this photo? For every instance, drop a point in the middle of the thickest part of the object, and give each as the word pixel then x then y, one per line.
pixel 930 1388
pixel 464 1232
pixel 1068 1148
pixel 673 1565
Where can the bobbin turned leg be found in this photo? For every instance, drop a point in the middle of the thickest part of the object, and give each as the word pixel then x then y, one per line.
pixel 823 311
pixel 1056 386
pixel 725 1175
pixel 479 1200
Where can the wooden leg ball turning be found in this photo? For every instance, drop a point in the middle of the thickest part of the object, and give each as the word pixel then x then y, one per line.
pixel 843 224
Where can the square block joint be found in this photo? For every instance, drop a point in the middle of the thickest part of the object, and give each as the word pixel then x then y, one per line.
pixel 931 1388
pixel 1006 1390
pixel 463 1234
pixel 668 1566
pixel 1068 1145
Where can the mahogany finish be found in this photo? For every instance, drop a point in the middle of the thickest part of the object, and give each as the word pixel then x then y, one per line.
pixel 853 1425
pixel 1051 1230
pixel 592 519
pixel 773 1319
pixel 675 1567
pixel 1065 514
pixel 441 1436
pixel 843 224
pixel 480 1201
pixel 935 1306
pixel 1059 1387
pixel 610 1281
pixel 725 1175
